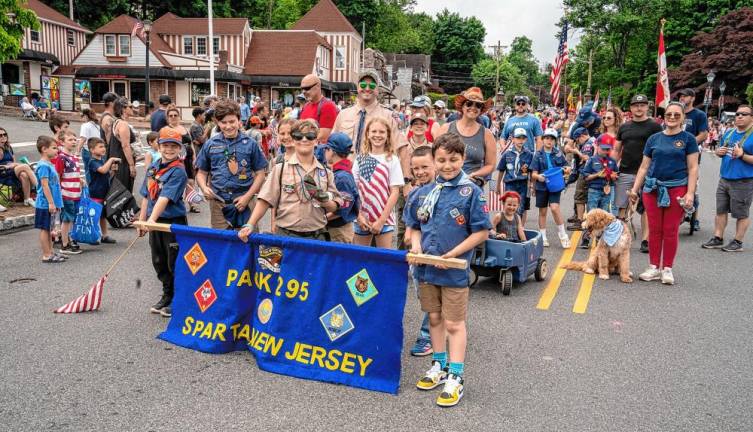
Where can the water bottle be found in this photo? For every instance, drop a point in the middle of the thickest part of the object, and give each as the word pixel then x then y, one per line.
pixel 24 160
pixel 689 210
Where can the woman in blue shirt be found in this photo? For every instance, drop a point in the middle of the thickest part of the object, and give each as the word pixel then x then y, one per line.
pixel 670 171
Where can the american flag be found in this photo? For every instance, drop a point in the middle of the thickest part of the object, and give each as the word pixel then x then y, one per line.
pixel 373 181
pixel 138 30
pixel 559 65
pixel 87 302
pixel 495 205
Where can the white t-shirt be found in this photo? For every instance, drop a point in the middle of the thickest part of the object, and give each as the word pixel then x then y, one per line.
pixel 90 130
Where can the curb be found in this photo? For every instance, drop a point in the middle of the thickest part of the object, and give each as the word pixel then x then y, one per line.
pixel 16 222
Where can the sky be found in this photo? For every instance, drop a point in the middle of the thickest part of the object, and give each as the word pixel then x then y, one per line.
pixel 506 19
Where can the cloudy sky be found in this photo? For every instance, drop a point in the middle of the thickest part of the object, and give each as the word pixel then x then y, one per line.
pixel 506 19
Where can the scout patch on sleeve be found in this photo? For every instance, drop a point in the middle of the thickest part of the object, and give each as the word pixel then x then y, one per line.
pixel 465 191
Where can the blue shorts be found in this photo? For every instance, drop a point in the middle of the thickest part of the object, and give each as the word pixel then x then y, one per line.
pixel 69 211
pixel 43 219
pixel 385 229
pixel 544 198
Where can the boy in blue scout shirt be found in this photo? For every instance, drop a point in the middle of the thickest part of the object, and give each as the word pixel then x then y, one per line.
pixel 236 167
pixel 513 168
pixel 447 218
pixel 163 188
pixel 549 157
pixel 600 172
pixel 340 226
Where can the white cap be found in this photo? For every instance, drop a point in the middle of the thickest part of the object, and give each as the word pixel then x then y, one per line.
pixel 551 132
pixel 519 132
pixel 136 104
pixel 439 104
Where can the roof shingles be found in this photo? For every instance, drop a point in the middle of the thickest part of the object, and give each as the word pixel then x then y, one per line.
pixel 282 52
pixel 325 17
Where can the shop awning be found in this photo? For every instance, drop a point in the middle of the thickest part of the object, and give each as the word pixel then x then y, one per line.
pixel 38 56
pixel 109 72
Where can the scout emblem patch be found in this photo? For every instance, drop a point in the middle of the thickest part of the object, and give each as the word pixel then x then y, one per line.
pixel 465 191
pixel 243 175
pixel 264 312
pixel 361 287
pixel 205 295
pixel 270 258
pixel 336 322
pixel 195 258
pixel 288 188
pixel 460 220
pixel 454 213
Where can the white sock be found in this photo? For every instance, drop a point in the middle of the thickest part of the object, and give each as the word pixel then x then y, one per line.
pixel 561 229
pixel 543 233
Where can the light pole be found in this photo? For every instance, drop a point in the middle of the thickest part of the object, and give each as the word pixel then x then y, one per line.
pixel 709 92
pixel 11 20
pixel 722 87
pixel 147 31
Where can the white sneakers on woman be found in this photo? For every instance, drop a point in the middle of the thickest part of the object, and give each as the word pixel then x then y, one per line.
pixel 653 273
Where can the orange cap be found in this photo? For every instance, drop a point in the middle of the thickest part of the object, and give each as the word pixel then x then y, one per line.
pixel 170 135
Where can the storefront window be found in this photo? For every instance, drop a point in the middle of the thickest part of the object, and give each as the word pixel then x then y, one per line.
pixel 138 90
pixel 11 74
pixel 99 88
pixel 198 92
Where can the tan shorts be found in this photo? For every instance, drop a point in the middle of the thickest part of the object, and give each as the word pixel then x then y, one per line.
pixel 343 234
pixel 451 302
pixel 217 219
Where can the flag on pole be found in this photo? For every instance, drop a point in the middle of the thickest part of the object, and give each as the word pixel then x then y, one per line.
pixel 609 98
pixel 596 102
pixel 138 30
pixel 662 80
pixel 87 302
pixel 570 101
pixel 559 65
pixel 580 102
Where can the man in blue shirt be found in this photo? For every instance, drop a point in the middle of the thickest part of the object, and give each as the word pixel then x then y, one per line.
pixel 159 117
pixel 235 164
pixel 245 112
pixel 734 194
pixel 529 122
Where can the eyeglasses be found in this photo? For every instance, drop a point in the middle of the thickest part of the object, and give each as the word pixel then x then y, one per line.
pixel 738 114
pixel 472 104
pixel 173 115
pixel 309 87
pixel 298 136
pixel 521 103
pixel 609 118
pixel 672 115
pixel 3 135
pixel 370 85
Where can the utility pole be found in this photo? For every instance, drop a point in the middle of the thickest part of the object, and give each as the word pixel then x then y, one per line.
pixel 590 71
pixel 497 58
pixel 70 9
pixel 269 14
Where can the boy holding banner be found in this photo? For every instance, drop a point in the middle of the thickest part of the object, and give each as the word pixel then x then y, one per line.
pixel 163 188
pixel 448 218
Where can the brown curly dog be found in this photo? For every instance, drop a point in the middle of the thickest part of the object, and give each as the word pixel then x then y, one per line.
pixel 607 259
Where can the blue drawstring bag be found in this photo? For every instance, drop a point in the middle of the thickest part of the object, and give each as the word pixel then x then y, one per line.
pixel 86 227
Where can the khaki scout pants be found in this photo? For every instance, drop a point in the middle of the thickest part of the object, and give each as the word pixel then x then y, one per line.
pixel 343 234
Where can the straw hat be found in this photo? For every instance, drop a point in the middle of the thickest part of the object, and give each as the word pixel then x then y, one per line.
pixel 473 94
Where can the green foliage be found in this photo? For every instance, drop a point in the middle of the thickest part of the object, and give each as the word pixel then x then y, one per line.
pixel 458 45
pixel 521 56
pixel 749 93
pixel 13 20
pixel 511 80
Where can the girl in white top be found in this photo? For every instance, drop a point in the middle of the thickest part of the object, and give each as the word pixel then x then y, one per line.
pixel 379 179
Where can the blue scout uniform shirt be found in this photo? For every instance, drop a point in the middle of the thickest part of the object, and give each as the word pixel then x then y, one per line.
pixel 346 185
pixel 588 149
pixel 668 155
pixel 173 184
pixel 736 169
pixel 595 165
pixel 99 183
pixel 219 154
pixel 460 211
pixel 512 162
pixel 541 163
pixel 46 170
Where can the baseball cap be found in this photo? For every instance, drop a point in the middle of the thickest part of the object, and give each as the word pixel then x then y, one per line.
pixel 418 102
pixel 521 98
pixel 550 132
pixel 439 104
pixel 255 120
pixel 165 100
pixel 419 116
pixel 686 92
pixel 606 141
pixel 370 74
pixel 578 132
pixel 519 132
pixel 169 135
pixel 639 98
pixel 339 143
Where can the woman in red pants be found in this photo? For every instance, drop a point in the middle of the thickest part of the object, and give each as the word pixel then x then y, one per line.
pixel 668 175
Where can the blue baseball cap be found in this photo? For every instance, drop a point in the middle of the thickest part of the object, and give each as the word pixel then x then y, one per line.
pixel 578 132
pixel 339 143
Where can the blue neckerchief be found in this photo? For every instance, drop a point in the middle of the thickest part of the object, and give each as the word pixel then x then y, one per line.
pixel 426 211
pixel 612 232
pixel 548 156
pixel 661 187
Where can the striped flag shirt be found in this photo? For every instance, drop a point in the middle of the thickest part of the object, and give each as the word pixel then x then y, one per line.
pixel 68 168
pixel 373 181
pixel 559 65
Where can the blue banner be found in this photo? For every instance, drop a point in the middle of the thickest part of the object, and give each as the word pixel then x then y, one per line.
pixel 309 309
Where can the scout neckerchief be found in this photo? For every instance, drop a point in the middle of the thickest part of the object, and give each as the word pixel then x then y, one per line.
pixel 612 232
pixel 154 176
pixel 607 174
pixel 745 137
pixel 426 211
pixel 232 160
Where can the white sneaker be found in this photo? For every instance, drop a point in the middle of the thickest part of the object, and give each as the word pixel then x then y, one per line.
pixel 433 378
pixel 2 208
pixel 545 241
pixel 564 240
pixel 29 202
pixel 667 277
pixel 651 274
pixel 452 391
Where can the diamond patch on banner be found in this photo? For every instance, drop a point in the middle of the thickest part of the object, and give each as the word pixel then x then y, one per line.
pixel 205 295
pixel 361 287
pixel 195 258
pixel 336 322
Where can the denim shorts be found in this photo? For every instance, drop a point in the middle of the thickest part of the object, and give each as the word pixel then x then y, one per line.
pixel 43 219
pixel 69 211
pixel 385 229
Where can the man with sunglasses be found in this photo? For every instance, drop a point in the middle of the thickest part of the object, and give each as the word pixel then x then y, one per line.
pixel 734 194
pixel 523 119
pixel 159 117
pixel 318 107
pixel 353 120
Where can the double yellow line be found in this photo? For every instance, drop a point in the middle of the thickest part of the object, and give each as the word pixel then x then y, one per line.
pixel 586 285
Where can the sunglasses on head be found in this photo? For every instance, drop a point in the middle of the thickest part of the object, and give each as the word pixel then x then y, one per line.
pixel 370 85
pixel 737 114
pixel 298 136
pixel 307 88
pixel 471 104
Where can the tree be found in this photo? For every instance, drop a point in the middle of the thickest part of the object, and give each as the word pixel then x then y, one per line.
pixel 521 56
pixel 511 80
pixel 458 45
pixel 13 20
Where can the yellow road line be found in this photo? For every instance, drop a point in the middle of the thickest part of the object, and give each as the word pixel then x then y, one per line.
pixel 559 273
pixel 584 293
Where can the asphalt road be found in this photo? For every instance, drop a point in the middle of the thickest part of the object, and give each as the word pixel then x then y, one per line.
pixel 642 357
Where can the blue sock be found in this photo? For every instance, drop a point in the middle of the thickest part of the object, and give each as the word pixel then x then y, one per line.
pixel 457 368
pixel 441 357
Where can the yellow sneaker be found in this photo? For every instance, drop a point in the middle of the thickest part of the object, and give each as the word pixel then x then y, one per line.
pixel 452 391
pixel 433 378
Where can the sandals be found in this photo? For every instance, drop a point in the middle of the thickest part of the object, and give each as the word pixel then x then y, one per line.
pixel 53 259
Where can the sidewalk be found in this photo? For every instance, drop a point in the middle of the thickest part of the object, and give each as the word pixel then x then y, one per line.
pixel 17 216
pixel 75 116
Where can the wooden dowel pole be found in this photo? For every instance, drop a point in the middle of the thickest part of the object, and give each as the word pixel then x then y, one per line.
pixel 454 263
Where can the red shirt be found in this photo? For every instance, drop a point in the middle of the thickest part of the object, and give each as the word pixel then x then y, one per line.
pixel 327 113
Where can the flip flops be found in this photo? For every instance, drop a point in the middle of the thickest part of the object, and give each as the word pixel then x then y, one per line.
pixel 53 259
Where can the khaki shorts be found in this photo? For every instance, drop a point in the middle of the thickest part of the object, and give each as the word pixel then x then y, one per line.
pixel 217 219
pixel 581 190
pixel 343 234
pixel 451 302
